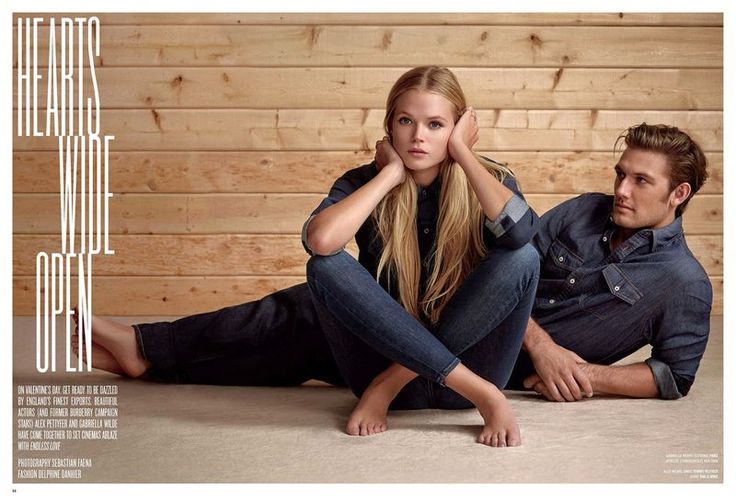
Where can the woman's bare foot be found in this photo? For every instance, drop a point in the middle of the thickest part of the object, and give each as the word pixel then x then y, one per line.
pixel 500 427
pixel 102 359
pixel 369 416
pixel 119 341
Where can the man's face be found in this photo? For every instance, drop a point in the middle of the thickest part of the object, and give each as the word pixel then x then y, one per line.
pixel 642 195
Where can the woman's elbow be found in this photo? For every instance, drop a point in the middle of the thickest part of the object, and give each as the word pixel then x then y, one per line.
pixel 321 245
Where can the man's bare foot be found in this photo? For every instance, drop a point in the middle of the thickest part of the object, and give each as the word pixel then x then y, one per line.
pixel 119 341
pixel 102 359
pixel 500 427
pixel 369 416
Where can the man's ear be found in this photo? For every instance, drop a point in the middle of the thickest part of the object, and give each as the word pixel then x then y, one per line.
pixel 680 194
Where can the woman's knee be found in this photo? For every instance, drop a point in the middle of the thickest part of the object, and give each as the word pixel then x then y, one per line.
pixel 331 273
pixel 527 258
pixel 321 268
pixel 523 261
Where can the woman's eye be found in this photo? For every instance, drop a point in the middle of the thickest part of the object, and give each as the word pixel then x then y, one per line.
pixel 435 125
pixel 404 120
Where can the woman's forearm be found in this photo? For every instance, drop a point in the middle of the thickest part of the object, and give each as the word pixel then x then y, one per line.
pixel 491 193
pixel 333 227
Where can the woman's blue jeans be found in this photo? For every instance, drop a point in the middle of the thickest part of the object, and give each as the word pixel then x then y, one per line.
pixel 483 325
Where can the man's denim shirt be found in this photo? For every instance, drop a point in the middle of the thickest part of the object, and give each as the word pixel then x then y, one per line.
pixel 605 306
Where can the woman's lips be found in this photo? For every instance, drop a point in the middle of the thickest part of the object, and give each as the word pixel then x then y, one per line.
pixel 417 153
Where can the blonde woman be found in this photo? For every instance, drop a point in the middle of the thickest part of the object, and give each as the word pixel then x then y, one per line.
pixel 444 273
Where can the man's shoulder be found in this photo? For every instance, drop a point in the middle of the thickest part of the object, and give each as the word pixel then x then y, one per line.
pixel 685 266
pixel 595 199
pixel 582 209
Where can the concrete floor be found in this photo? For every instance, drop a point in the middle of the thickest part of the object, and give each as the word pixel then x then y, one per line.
pixel 188 433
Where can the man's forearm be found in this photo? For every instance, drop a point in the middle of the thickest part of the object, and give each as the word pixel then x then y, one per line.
pixel 533 336
pixel 631 380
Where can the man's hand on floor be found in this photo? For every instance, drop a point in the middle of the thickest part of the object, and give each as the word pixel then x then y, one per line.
pixel 559 375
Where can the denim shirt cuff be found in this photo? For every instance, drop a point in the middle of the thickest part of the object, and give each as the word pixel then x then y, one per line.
pixel 304 236
pixel 309 250
pixel 512 212
pixel 663 378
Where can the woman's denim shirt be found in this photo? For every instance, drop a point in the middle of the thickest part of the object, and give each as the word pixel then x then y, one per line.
pixel 605 306
pixel 513 228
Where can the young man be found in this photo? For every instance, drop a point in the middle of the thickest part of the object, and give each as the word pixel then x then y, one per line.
pixel 616 275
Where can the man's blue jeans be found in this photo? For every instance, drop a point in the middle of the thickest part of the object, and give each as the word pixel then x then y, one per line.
pixel 274 341
pixel 483 325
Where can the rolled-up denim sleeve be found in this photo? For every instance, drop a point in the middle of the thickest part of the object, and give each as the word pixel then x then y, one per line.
pixel 515 225
pixel 680 339
pixel 343 186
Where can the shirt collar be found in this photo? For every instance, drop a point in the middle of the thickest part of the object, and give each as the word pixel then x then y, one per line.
pixel 662 236
pixel 431 191
pixel 655 237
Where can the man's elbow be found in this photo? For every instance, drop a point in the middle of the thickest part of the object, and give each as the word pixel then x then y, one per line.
pixel 683 386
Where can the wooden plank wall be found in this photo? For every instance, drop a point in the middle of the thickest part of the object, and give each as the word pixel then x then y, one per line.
pixel 230 128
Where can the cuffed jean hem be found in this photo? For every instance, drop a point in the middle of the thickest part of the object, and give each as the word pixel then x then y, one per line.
pixel 156 345
pixel 447 371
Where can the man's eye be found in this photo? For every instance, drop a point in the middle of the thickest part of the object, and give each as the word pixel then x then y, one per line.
pixel 641 180
pixel 404 120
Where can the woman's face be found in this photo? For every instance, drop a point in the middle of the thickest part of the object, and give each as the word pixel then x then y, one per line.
pixel 420 130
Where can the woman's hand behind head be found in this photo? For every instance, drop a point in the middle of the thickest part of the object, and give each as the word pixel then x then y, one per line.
pixel 464 135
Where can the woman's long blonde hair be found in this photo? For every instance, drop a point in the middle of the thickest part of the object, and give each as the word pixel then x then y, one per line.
pixel 459 244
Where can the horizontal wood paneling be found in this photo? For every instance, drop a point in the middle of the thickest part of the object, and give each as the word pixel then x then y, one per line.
pixel 325 130
pixel 236 254
pixel 310 172
pixel 231 127
pixel 178 296
pixel 506 88
pixel 266 213
pixel 471 45
pixel 369 18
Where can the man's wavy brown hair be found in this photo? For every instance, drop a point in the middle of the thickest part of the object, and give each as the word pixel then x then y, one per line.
pixel 685 158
